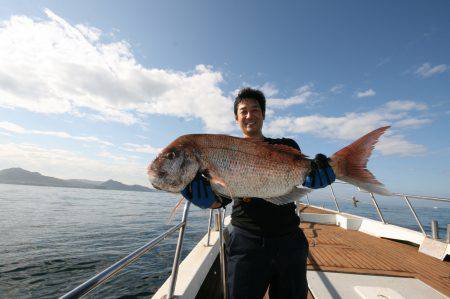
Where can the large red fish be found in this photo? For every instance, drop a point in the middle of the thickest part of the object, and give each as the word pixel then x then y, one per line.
pixel 239 167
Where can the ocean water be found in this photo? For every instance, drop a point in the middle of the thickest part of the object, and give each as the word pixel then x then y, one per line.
pixel 53 239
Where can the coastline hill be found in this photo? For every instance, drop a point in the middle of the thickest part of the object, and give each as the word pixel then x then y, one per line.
pixel 19 176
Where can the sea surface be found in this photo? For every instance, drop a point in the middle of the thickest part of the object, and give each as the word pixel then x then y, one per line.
pixel 53 239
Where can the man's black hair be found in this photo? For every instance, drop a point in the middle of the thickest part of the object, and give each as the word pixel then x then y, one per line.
pixel 250 93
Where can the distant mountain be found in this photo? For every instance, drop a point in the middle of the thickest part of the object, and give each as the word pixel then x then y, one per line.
pixel 19 176
pixel 115 185
pixel 85 181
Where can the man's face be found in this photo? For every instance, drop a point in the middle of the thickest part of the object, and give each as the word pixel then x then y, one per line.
pixel 250 117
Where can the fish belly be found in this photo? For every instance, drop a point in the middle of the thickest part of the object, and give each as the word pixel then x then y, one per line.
pixel 246 174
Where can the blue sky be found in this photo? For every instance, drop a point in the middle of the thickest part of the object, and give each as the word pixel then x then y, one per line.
pixel 94 90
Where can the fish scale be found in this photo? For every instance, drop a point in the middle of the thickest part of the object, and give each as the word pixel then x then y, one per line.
pixel 229 157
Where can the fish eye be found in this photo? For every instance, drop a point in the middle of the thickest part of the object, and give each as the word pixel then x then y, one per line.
pixel 170 155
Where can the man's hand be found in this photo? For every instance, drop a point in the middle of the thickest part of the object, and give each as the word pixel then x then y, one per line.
pixel 200 193
pixel 321 174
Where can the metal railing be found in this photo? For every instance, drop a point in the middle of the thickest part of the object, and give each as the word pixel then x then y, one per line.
pixel 406 197
pixel 176 259
pixel 111 271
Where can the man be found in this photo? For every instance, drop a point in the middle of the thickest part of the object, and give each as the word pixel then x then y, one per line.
pixel 266 246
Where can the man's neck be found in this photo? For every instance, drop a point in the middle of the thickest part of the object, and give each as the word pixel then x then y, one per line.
pixel 255 137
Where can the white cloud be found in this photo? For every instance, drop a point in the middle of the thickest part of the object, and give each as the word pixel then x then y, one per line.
pixel 350 126
pixel 397 145
pixel 269 90
pixel 68 165
pixel 353 125
pixel 426 70
pixel 91 33
pixel 14 128
pixel 412 122
pixel 109 155
pixel 141 148
pixel 404 106
pixel 336 89
pixel 301 96
pixel 51 66
pixel 364 94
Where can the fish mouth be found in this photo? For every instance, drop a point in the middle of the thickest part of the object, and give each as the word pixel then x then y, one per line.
pixel 154 178
pixel 155 174
pixel 163 184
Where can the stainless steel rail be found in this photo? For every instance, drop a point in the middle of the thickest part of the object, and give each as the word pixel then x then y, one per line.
pixel 109 272
pixel 208 238
pixel 377 208
pixel 223 270
pixel 334 198
pixel 433 198
pixel 415 215
pixel 307 199
pixel 176 259
pixel 406 197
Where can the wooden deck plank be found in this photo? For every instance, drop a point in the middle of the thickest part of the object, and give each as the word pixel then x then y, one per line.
pixel 338 250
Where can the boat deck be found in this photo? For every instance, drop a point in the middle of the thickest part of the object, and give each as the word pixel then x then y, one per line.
pixel 335 249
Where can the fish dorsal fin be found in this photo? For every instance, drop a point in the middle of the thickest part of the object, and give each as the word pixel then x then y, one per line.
pixel 287 149
pixel 280 148
pixel 292 196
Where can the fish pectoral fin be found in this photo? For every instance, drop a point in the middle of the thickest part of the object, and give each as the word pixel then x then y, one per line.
pixel 292 196
pixel 172 214
pixel 222 183
pixel 213 178
pixel 218 181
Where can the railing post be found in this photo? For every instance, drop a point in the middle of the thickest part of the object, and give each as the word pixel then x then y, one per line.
pixel 209 226
pixel 176 259
pixel 216 222
pixel 224 210
pixel 335 200
pixel 448 233
pixel 377 208
pixel 434 229
pixel 415 215
pixel 223 270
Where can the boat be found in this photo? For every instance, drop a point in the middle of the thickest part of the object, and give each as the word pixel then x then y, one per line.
pixel 349 256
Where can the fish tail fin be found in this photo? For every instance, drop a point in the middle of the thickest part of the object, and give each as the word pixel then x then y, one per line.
pixel 350 163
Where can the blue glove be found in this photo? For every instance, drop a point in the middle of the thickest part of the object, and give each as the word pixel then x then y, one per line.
pixel 200 193
pixel 321 174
